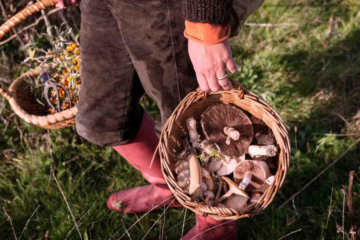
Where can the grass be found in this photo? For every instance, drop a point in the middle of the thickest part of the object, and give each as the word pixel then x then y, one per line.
pixel 309 73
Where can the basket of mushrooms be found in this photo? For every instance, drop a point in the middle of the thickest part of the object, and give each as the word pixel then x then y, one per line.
pixel 224 154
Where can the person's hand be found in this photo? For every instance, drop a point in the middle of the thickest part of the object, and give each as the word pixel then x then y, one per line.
pixel 210 63
pixel 65 3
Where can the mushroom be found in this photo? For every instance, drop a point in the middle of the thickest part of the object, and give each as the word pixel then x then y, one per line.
pixel 227 167
pixel 181 166
pixel 229 128
pixel 193 134
pixel 195 175
pixel 209 194
pixel 207 179
pixel 268 182
pixel 204 187
pixel 220 205
pixel 251 175
pixel 183 180
pixel 233 189
pixel 213 165
pixel 257 151
pixel 236 202
pixel 263 135
pixel 255 196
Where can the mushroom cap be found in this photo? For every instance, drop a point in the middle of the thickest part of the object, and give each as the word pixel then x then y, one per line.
pixel 213 165
pixel 235 188
pixel 263 135
pixel 236 202
pixel 260 172
pixel 183 179
pixel 227 167
pixel 219 116
pixel 255 196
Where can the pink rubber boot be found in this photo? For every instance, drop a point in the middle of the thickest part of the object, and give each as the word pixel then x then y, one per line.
pixel 210 229
pixel 139 153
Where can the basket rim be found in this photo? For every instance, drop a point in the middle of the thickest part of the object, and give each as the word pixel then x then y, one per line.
pixel 254 102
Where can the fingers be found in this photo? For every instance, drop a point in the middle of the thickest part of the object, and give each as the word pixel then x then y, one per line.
pixel 231 65
pixel 224 82
pixel 202 82
pixel 213 82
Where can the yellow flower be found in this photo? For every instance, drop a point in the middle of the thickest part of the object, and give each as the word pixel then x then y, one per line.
pixel 76 68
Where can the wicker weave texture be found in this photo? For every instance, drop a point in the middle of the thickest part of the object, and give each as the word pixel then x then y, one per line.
pixel 21 102
pixel 24 107
pixel 193 105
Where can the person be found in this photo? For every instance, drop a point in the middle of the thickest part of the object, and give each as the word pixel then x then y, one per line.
pixel 165 48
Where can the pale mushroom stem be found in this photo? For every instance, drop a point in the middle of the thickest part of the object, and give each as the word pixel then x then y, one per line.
pixel 245 182
pixel 231 133
pixel 193 134
pixel 268 150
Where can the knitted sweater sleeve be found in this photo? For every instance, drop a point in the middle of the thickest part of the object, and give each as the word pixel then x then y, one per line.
pixel 207 11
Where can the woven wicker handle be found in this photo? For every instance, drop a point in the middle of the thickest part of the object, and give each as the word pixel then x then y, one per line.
pixel 22 15
pixel 18 18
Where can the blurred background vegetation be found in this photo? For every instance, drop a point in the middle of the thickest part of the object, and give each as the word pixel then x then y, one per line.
pixel 301 56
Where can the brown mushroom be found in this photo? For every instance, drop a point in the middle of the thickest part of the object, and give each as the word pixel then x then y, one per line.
pixel 229 128
pixel 233 189
pixel 183 180
pixel 181 165
pixel 263 135
pixel 251 175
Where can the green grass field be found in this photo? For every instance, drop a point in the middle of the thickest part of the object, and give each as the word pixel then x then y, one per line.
pixel 306 65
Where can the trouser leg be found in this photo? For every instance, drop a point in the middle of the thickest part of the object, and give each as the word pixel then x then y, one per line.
pixel 109 109
pixel 153 33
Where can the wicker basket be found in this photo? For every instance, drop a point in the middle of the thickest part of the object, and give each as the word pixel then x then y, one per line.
pixel 20 100
pixel 194 105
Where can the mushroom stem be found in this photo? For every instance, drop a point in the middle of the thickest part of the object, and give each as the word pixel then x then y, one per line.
pixel 193 134
pixel 268 150
pixel 195 176
pixel 231 133
pixel 233 189
pixel 219 190
pixel 247 179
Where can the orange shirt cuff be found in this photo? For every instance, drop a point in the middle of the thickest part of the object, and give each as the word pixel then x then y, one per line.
pixel 206 33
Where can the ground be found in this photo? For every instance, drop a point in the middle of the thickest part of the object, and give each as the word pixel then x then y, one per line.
pixel 306 64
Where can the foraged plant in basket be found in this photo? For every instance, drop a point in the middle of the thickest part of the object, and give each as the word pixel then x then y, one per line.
pixel 47 95
pixel 224 154
pixel 57 87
